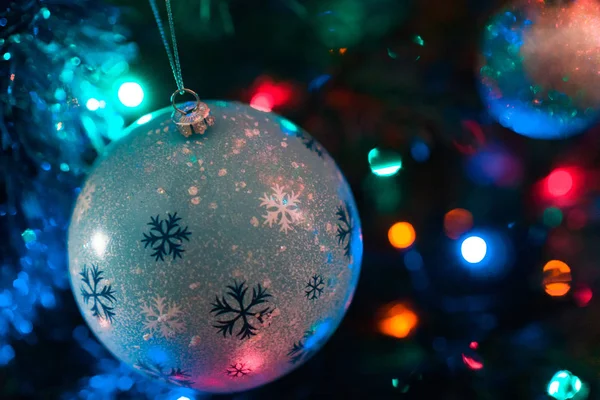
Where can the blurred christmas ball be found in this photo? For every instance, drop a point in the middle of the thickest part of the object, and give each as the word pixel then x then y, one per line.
pixel 538 67
pixel 219 262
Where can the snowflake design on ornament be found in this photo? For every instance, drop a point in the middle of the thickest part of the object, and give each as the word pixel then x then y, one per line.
pixel 314 287
pixel 345 227
pixel 162 318
pixel 85 200
pixel 238 370
pixel 310 143
pixel 168 238
pixel 237 292
pixel 101 297
pixel 300 350
pixel 282 208
pixel 175 376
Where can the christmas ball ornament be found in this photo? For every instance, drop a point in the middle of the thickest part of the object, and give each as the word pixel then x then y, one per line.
pixel 218 261
pixel 538 67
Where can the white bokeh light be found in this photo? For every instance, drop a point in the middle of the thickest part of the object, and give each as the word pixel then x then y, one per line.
pixel 473 249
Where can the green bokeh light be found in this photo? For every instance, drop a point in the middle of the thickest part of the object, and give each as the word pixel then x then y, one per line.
pixel 552 217
pixel 384 163
pixel 564 385
pixel 28 235
pixel 131 94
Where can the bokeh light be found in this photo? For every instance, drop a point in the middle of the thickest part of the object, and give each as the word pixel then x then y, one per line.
pixel 552 217
pixel 262 102
pixel 473 249
pixel 92 104
pixel 457 222
pixel 557 278
pixel 402 235
pixel 582 296
pixel 564 385
pixel 472 363
pixel 384 162
pixel 559 182
pixel 397 320
pixel 131 94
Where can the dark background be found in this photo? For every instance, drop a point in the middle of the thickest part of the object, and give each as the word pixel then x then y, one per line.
pixel 409 73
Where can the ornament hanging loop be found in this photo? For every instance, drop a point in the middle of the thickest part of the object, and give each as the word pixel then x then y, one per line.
pixel 182 92
pixel 191 117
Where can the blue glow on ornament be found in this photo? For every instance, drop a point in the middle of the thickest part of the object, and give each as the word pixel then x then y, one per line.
pixel 131 94
pixel 473 249
pixel 145 119
pixel 92 104
pixel 6 56
pixel 288 126
pixel 518 90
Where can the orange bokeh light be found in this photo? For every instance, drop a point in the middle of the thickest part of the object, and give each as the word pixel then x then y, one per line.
pixel 398 321
pixel 457 222
pixel 557 278
pixel 402 235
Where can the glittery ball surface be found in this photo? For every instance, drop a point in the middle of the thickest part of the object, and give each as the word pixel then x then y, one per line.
pixel 539 66
pixel 218 262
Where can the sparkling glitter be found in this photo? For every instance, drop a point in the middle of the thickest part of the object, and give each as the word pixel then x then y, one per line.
pixel 160 190
pixel 222 172
pixel 254 221
pixel 213 206
pixel 193 190
pixel 195 200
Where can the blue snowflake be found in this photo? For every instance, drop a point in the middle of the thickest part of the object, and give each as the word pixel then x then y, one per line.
pixel 345 227
pixel 102 298
pixel 310 143
pixel 175 376
pixel 168 238
pixel 300 350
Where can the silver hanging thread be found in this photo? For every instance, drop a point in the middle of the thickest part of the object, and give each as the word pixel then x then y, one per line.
pixel 192 117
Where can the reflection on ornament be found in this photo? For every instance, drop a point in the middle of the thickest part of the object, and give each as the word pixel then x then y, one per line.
pixel 220 261
pixel 538 68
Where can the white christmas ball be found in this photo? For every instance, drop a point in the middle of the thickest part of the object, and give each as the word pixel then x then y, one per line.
pixel 221 261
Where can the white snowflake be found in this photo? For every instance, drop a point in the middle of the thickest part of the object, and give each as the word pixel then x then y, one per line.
pixel 282 208
pixel 85 200
pixel 162 318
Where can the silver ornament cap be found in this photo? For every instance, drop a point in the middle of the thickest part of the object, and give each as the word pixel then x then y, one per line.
pixel 193 117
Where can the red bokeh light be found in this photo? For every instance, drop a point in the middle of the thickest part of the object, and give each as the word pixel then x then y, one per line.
pixel 472 363
pixel 559 182
pixel 269 94
pixel 474 345
pixel 262 102
pixel 583 296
